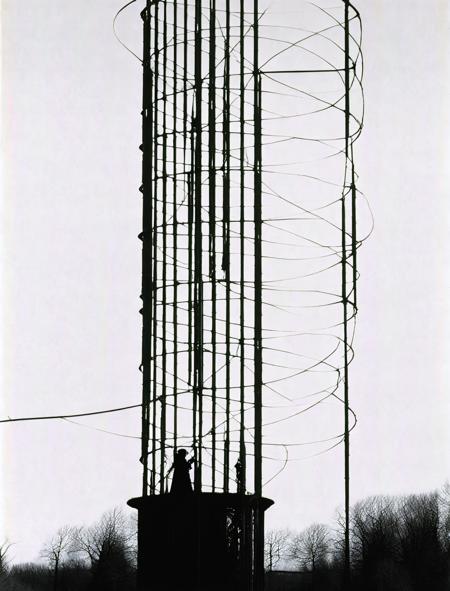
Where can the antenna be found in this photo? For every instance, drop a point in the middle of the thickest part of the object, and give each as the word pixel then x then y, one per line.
pixel 210 83
pixel 201 299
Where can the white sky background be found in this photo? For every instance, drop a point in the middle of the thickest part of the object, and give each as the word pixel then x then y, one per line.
pixel 71 267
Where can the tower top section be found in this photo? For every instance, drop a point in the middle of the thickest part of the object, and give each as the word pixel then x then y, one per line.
pixel 201 245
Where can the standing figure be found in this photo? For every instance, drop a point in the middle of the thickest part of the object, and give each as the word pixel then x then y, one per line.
pixel 239 476
pixel 181 481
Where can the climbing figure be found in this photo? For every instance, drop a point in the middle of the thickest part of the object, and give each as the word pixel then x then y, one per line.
pixel 181 481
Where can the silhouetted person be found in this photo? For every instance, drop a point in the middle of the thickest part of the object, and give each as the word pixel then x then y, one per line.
pixel 181 482
pixel 239 476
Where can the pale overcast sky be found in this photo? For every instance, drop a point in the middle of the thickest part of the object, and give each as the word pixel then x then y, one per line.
pixel 71 268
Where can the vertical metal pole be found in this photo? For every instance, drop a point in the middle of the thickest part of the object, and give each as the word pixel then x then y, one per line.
pixel 155 248
pixel 191 293
pixel 189 178
pixel 147 197
pixel 186 182
pixel 259 513
pixel 212 226
pixel 345 309
pixel 163 398
pixel 185 60
pixel 258 257
pixel 175 228
pixel 198 268
pixel 191 300
pixel 226 240
pixel 242 484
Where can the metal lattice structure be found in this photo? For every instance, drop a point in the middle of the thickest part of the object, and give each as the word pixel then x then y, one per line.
pixel 225 105
pixel 201 289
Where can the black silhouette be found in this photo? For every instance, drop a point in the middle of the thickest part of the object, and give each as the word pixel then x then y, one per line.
pixel 181 482
pixel 239 476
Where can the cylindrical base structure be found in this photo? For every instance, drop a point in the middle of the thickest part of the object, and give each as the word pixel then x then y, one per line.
pixel 201 542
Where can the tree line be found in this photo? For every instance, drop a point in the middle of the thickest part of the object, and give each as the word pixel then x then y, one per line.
pixel 397 544
pixel 101 557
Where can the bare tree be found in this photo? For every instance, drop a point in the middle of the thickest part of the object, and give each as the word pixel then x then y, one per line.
pixel 4 566
pixel 108 546
pixel 423 551
pixel 55 550
pixel 444 516
pixel 276 545
pixel 375 542
pixel 310 549
pixel 375 529
pixel 398 543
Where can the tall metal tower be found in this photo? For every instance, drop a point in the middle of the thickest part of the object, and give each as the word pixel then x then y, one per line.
pixel 201 513
pixel 201 299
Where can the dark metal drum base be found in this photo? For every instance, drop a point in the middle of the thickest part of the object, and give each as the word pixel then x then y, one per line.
pixel 200 542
